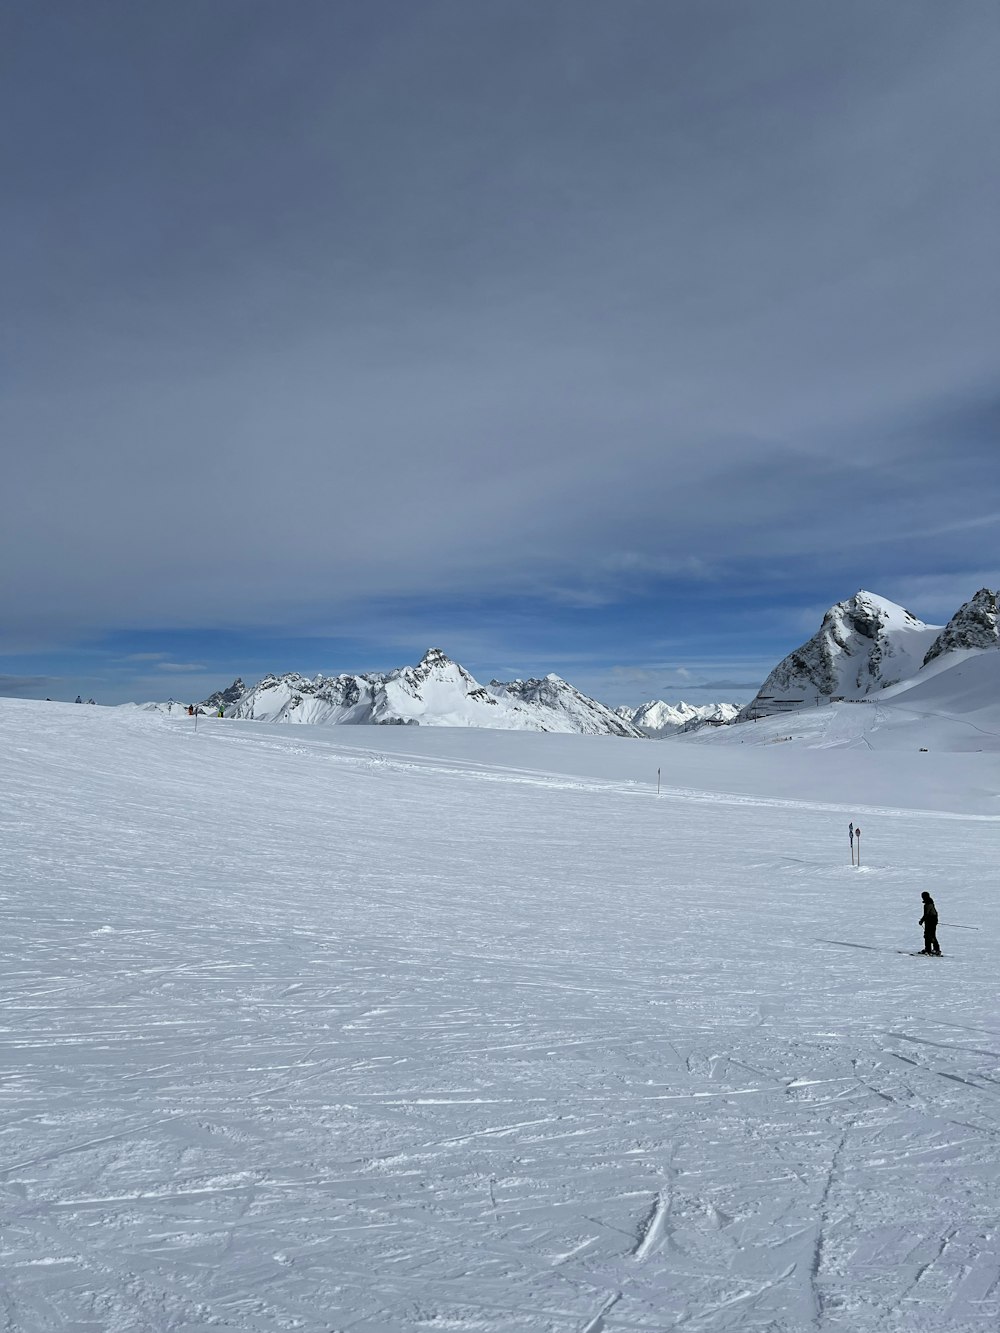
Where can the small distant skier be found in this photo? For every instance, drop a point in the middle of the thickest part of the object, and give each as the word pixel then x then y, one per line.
pixel 929 922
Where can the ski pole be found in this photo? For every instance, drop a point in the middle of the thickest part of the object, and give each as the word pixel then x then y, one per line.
pixel 955 926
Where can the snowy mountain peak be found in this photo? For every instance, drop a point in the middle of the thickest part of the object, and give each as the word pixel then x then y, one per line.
pixel 867 616
pixel 864 644
pixel 974 625
pixel 436 692
pixel 434 657
pixel 868 607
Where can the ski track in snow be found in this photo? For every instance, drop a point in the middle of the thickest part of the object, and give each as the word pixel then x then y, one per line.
pixel 297 1036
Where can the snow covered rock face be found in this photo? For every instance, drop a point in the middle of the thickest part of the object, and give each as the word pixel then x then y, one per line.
pixel 560 702
pixel 225 698
pixel 974 625
pixel 437 692
pixel 863 645
pixel 295 698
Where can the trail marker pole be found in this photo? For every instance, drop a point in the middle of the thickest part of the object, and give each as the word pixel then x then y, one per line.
pixel 196 720
pixel 657 782
pixel 857 834
pixel 850 834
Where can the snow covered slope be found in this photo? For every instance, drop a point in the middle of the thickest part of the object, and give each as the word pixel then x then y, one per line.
pixel 950 709
pixel 863 645
pixel 553 698
pixel 406 1029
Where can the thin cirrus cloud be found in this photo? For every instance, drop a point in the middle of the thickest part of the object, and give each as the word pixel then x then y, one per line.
pixel 28 687
pixel 429 304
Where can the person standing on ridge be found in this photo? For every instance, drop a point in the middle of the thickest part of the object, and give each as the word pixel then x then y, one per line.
pixel 929 922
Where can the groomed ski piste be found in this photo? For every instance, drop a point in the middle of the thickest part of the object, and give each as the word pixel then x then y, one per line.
pixel 383 1029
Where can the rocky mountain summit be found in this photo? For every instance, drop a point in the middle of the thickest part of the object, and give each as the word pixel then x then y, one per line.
pixel 224 698
pixel 976 624
pixel 863 644
pixel 867 644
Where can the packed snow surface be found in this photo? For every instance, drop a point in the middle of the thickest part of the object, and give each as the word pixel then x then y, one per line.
pixel 389 1029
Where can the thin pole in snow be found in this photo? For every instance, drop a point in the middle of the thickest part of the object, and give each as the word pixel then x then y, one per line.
pixel 657 782
pixel 850 834
pixel 857 834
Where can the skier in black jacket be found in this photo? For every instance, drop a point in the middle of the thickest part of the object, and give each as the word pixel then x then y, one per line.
pixel 929 922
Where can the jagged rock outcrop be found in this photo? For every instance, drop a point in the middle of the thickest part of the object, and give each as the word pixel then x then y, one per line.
pixel 224 698
pixel 974 625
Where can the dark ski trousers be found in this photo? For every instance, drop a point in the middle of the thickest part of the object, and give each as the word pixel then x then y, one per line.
pixel 930 939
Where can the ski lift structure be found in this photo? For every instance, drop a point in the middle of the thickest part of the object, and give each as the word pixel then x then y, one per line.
pixel 776 706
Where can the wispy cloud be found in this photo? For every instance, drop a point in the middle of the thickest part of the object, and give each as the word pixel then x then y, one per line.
pixel 28 687
pixel 705 324
pixel 661 676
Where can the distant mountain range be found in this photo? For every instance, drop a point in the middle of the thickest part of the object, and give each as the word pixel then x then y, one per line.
pixel 660 719
pixel 868 644
pixel 437 692
pixel 863 646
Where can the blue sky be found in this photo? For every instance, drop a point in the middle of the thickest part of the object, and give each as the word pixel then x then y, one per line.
pixel 616 340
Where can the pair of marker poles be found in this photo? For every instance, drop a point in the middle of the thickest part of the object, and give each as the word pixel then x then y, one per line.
pixel 853 833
